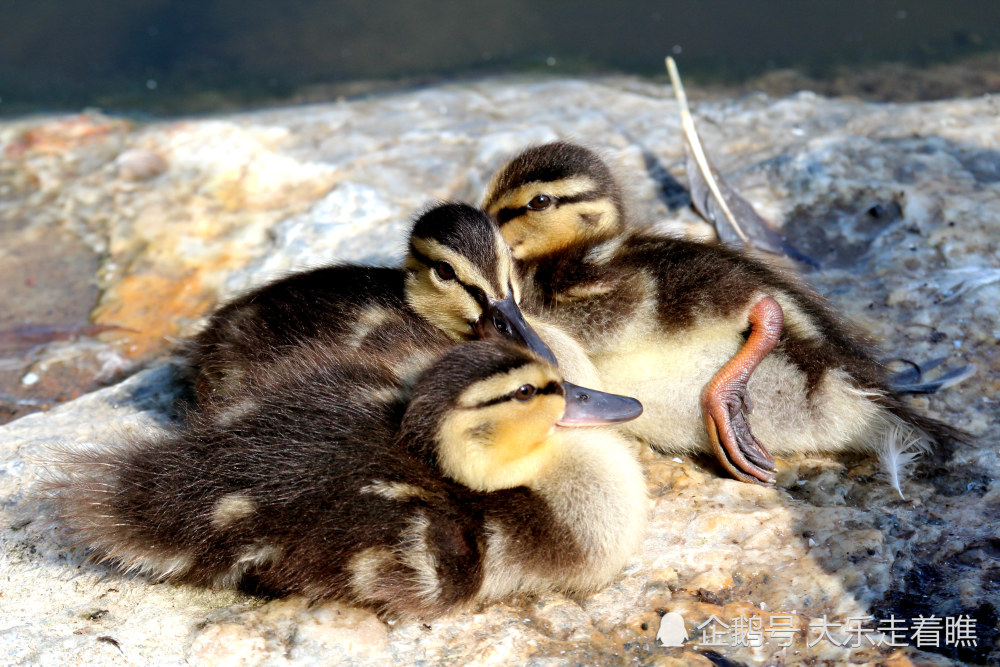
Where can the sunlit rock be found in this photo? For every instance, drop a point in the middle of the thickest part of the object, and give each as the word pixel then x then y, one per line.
pixel 899 203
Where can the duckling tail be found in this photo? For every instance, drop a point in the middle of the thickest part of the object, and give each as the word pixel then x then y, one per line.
pixel 98 500
pixel 941 434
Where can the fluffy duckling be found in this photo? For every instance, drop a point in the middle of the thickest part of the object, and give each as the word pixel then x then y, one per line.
pixel 457 283
pixel 701 334
pixel 482 492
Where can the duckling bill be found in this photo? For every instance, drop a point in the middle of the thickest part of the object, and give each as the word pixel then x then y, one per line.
pixel 457 283
pixel 476 495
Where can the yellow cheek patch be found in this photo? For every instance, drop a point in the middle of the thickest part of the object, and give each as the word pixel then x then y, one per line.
pixel 538 233
pixel 490 445
pixel 535 234
pixel 525 428
pixel 447 306
pixel 602 214
pixel 492 450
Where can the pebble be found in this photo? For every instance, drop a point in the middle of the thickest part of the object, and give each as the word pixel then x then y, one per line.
pixel 140 165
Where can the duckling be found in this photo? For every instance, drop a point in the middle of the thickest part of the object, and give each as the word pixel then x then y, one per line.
pixel 457 283
pixel 701 334
pixel 481 491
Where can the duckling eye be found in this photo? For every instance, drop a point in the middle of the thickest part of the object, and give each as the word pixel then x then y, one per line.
pixel 524 392
pixel 540 202
pixel 444 271
pixel 502 326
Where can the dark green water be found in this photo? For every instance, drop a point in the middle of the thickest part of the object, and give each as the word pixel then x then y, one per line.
pixel 167 56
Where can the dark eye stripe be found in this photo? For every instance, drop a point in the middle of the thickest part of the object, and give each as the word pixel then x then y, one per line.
pixel 421 257
pixel 583 196
pixel 476 293
pixel 550 388
pixel 505 215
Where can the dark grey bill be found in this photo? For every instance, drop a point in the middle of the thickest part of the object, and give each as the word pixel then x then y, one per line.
pixel 502 320
pixel 589 407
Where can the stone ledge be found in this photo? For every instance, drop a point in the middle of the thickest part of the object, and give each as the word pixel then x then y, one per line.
pixel 898 201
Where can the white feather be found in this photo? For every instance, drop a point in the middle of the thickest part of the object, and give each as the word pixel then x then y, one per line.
pixel 900 446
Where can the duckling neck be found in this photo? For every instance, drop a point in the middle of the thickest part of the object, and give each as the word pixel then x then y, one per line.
pixel 544 275
pixel 595 495
pixel 595 485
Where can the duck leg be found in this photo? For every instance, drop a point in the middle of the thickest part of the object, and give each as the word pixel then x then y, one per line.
pixel 726 402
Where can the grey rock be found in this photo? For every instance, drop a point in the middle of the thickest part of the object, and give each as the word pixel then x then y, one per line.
pixel 898 202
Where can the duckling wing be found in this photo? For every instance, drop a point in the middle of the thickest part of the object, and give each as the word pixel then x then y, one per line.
pixel 376 528
pixel 288 498
pixel 331 306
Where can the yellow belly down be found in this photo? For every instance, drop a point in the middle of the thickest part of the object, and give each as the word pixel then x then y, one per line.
pixel 668 374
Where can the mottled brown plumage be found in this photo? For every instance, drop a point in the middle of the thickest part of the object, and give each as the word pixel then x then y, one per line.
pixel 457 282
pixel 314 488
pixel 659 317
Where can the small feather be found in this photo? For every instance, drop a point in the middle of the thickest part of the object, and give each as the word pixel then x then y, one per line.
pixel 943 381
pixel 956 283
pixel 900 446
pixel 912 380
pixel 735 219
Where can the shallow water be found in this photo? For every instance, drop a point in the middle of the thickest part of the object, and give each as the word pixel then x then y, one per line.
pixel 167 57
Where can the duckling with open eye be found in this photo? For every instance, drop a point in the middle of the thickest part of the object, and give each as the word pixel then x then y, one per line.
pixel 457 283
pixel 482 492
pixel 700 333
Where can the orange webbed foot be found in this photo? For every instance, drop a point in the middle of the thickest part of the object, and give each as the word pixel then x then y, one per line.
pixel 727 404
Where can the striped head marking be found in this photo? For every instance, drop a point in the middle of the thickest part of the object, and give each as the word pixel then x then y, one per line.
pixel 553 197
pixel 496 432
pixel 488 412
pixel 461 278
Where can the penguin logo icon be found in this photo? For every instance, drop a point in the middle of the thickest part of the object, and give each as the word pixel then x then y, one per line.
pixel 672 631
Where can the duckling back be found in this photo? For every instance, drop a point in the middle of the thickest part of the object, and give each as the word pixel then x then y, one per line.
pixel 311 487
pixel 304 491
pixel 665 319
pixel 457 283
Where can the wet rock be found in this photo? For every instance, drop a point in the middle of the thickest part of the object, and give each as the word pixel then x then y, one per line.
pixel 48 348
pixel 898 202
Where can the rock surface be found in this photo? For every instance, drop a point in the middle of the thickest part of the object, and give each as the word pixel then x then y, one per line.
pixel 157 221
